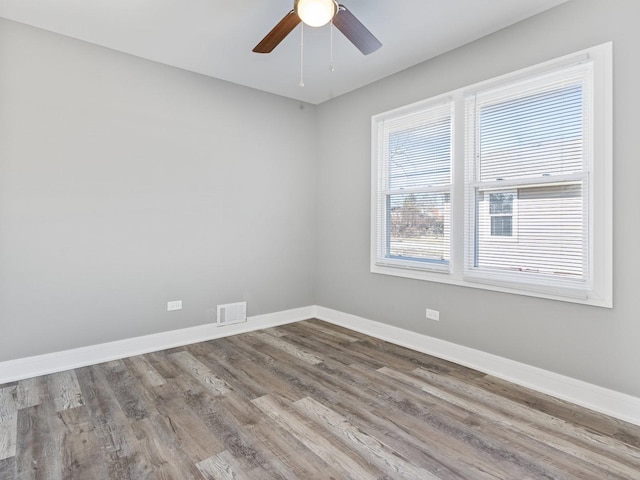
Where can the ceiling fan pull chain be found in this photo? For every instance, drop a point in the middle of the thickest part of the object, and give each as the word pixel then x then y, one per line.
pixel 331 47
pixel 302 55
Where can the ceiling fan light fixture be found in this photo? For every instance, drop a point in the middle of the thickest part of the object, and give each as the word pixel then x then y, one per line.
pixel 316 13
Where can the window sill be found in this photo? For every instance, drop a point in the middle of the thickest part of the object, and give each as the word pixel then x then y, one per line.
pixel 590 298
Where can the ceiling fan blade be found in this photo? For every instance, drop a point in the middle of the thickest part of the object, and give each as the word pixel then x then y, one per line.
pixel 355 31
pixel 278 33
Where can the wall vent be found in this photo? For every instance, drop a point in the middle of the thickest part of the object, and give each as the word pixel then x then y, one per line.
pixel 232 313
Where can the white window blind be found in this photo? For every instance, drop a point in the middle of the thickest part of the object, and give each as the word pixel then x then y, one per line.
pixel 533 137
pixel 413 218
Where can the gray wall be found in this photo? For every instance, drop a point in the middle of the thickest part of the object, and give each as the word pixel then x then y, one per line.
pixel 125 184
pixel 597 345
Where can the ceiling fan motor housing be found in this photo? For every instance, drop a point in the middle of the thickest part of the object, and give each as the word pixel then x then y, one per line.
pixel 315 13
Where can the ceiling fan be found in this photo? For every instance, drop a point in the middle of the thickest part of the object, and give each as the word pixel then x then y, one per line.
pixel 316 13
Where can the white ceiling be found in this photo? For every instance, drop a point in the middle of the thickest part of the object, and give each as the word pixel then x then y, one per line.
pixel 215 37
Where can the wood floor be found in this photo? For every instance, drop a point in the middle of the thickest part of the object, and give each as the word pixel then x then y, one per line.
pixel 304 401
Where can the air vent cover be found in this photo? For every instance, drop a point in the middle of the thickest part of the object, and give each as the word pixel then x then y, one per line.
pixel 232 313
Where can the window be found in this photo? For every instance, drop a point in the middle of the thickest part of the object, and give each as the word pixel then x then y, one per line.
pixel 529 209
pixel 501 207
pixel 414 188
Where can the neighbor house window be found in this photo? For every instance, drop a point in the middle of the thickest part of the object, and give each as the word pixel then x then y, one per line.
pixel 529 210
pixel 501 214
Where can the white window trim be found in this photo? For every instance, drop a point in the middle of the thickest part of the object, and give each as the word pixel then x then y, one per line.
pixel 601 200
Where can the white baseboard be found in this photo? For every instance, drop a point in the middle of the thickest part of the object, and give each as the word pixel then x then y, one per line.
pixel 610 402
pixel 21 368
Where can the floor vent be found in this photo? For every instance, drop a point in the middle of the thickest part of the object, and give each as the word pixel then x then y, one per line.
pixel 232 313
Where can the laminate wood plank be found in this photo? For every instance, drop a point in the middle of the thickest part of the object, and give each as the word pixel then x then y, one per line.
pixel 128 391
pixel 423 360
pixel 267 372
pixel 386 458
pixel 226 429
pixel 186 429
pixel 328 328
pixel 30 392
pixel 324 348
pixel 363 353
pixel 64 390
pixel 345 355
pixel 250 454
pixel 268 465
pixel 308 331
pixel 111 426
pixel 8 422
pixel 262 474
pixel 166 368
pixel 224 348
pixel 118 444
pixel 80 450
pixel 225 467
pixel 337 334
pixel 350 465
pixel 27 443
pixel 281 445
pixel 47 442
pixel 200 372
pixel 287 347
pixel 159 453
pixel 246 413
pixel 222 467
pixel 222 366
pixel 150 451
pixel 144 371
pixel 275 331
pixel 8 468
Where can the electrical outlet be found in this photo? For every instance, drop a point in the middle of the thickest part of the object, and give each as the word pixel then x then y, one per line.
pixel 175 305
pixel 433 315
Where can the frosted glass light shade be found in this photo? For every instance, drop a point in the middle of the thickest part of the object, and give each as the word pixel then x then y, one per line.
pixel 316 13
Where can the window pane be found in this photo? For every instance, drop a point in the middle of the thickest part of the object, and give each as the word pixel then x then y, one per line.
pixel 551 231
pixel 501 203
pixel 501 226
pixel 419 226
pixel 532 136
pixel 420 156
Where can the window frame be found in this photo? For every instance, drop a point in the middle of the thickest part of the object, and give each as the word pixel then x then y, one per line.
pixel 600 199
